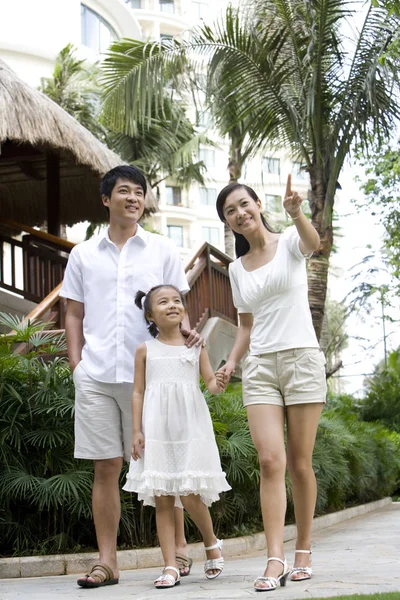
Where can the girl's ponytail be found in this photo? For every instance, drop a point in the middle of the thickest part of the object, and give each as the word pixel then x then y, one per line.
pixel 142 301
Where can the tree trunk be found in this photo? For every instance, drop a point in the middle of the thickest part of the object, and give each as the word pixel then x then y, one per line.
pixel 235 170
pixel 319 263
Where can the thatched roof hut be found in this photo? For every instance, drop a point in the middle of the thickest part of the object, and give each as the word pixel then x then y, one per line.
pixel 50 165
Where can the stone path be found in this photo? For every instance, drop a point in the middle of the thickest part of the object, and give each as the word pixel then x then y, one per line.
pixel 361 555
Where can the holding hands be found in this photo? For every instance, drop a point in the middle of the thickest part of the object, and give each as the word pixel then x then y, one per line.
pixel 292 201
pixel 225 373
pixel 137 445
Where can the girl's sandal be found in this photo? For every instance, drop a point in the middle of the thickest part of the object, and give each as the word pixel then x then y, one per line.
pixel 184 564
pixel 306 572
pixel 166 580
pixel 272 582
pixel 214 564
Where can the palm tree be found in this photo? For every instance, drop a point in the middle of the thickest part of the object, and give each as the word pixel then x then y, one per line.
pixel 305 84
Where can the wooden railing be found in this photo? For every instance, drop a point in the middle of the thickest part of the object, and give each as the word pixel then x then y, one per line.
pixel 210 292
pixel 39 256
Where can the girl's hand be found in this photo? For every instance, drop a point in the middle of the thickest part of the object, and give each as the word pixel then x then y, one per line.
pixel 137 446
pixel 227 371
pixel 292 201
pixel 220 379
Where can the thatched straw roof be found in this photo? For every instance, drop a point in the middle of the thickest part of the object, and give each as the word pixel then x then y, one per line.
pixel 31 126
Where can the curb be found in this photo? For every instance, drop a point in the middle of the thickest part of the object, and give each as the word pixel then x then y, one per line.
pixel 66 564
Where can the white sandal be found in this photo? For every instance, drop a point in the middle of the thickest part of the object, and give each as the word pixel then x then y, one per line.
pixel 170 580
pixel 214 564
pixel 306 570
pixel 273 581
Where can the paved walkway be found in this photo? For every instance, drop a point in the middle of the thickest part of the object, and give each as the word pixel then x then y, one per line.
pixel 361 555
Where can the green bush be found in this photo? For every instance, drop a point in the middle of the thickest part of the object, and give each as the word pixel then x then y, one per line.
pixel 45 494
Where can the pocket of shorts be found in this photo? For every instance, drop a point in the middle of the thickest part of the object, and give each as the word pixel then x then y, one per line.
pixel 75 370
pixel 250 367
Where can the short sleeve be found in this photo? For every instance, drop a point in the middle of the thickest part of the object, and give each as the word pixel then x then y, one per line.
pixel 238 301
pixel 173 272
pixel 292 239
pixel 72 286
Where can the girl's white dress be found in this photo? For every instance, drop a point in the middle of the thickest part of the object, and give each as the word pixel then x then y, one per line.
pixel 181 455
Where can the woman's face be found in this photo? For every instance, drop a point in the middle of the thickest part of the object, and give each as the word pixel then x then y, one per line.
pixel 242 214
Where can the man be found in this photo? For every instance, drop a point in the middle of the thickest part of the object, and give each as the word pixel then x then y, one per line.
pixel 104 328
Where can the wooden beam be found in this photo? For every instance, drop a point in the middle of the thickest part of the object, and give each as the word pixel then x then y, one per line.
pixel 53 193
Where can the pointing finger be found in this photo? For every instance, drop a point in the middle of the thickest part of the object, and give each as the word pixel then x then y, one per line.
pixel 288 190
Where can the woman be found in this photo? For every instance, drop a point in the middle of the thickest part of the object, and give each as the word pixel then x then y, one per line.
pixel 284 374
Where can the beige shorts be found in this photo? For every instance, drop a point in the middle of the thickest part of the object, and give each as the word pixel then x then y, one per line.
pixel 295 376
pixel 103 418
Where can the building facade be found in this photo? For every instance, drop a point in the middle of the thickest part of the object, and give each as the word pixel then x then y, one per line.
pixel 33 33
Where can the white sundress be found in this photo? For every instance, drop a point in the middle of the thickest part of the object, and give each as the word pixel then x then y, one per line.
pixel 181 455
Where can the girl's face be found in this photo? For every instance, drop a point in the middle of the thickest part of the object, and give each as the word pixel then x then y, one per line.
pixel 241 212
pixel 166 308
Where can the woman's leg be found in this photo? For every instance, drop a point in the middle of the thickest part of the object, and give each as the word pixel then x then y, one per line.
pixel 266 422
pixel 201 516
pixel 302 424
pixel 165 521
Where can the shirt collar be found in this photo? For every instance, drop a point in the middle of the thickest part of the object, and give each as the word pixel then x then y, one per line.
pixel 140 236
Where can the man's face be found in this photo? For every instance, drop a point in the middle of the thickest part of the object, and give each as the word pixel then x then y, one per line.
pixel 126 203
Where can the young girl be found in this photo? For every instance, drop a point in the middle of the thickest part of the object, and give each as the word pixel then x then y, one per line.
pixel 174 455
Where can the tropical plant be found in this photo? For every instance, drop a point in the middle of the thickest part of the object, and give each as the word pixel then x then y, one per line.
pixel 73 85
pixel 291 67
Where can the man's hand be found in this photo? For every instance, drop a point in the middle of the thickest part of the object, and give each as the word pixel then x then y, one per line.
pixel 137 446
pixel 226 371
pixel 193 338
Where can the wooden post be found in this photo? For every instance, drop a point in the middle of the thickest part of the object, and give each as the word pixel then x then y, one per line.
pixel 53 193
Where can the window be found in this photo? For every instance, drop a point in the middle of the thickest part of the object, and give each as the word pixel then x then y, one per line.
pixel 133 3
pixel 271 165
pixel 211 235
pixel 166 36
pixel 200 9
pixel 273 203
pixel 207 156
pixel 175 232
pixel 96 33
pixel 167 6
pixel 298 171
pixel 205 119
pixel 173 196
pixel 208 196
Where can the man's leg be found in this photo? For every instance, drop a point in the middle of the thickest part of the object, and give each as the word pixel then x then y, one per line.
pixel 106 513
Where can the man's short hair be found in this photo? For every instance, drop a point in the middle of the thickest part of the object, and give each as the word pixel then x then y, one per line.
pixel 122 172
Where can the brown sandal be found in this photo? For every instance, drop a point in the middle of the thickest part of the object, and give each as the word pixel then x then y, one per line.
pixel 100 581
pixel 183 562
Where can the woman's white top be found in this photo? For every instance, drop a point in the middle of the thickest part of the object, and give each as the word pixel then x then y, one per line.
pixel 277 296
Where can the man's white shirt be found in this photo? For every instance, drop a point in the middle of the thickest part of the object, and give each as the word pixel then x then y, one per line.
pixel 106 280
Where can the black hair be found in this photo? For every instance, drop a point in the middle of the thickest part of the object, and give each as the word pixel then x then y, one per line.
pixel 242 246
pixel 128 172
pixel 146 305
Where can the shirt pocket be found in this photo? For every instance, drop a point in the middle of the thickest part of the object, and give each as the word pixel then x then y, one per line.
pixel 145 275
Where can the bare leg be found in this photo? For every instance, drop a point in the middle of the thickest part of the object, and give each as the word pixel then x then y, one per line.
pixel 165 521
pixel 302 424
pixel 201 516
pixel 266 422
pixel 180 539
pixel 106 511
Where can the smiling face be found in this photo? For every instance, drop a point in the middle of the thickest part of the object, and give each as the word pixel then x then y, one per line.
pixel 167 307
pixel 241 212
pixel 126 203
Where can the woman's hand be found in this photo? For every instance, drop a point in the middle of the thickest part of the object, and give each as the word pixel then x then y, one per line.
pixel 226 371
pixel 292 201
pixel 137 445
